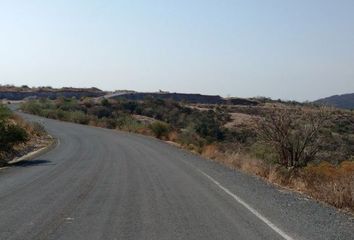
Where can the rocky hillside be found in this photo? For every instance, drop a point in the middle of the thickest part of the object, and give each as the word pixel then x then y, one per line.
pixel 345 101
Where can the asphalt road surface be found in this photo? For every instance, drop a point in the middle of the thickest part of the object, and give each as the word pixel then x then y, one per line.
pixel 103 184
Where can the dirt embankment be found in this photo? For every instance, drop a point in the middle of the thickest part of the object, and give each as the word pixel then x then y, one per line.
pixel 28 150
pixel 37 140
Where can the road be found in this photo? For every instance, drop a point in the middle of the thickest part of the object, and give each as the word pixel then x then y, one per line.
pixel 104 184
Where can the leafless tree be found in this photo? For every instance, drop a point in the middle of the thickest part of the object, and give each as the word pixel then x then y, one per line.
pixel 294 133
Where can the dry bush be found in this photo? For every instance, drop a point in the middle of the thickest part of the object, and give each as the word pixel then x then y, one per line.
pixel 279 175
pixel 293 133
pixel 36 129
pixel 237 160
pixel 332 184
pixel 144 131
pixel 172 136
pixel 253 165
pixel 210 151
pixel 241 120
pixel 325 182
pixel 144 119
pixel 32 128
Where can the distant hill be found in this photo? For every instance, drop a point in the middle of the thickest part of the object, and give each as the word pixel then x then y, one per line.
pixel 345 101
pixel 19 93
pixel 10 92
pixel 184 97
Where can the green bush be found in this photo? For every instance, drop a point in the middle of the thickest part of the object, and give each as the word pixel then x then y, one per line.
pixel 33 107
pixel 189 138
pixel 160 129
pixel 208 127
pixel 126 122
pixel 67 104
pixel 105 102
pixel 119 114
pixel 79 117
pixel 5 113
pixel 10 134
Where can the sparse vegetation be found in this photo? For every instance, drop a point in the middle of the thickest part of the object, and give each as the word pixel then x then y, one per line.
pixel 299 146
pixel 18 137
pixel 10 132
pixel 293 134
pixel 160 129
pixel 205 126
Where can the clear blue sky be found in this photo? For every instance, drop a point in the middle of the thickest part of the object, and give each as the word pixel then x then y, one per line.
pixel 289 49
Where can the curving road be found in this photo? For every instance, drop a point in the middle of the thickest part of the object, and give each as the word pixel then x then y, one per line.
pixel 103 184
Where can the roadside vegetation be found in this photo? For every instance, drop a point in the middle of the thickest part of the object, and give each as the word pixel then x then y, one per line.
pixel 299 146
pixel 164 119
pixel 17 136
pixel 305 148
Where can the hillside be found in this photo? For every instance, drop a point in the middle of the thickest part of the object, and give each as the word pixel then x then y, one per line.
pixel 19 93
pixel 345 101
pixel 183 97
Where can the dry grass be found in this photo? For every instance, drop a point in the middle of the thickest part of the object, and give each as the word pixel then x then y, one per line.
pixel 324 182
pixel 237 160
pixel 241 119
pixel 332 184
pixel 144 119
pixel 172 136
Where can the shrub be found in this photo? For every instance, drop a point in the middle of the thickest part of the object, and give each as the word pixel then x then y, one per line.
pixel 209 129
pixel 294 134
pixel 11 135
pixel 207 124
pixel 67 104
pixel 100 111
pixel 107 123
pixel 37 129
pixel 160 129
pixel 242 134
pixel 62 115
pixel 79 117
pixel 189 138
pixel 5 113
pixel 128 123
pixel 105 102
pixel 262 151
pixel 32 107
pixel 332 184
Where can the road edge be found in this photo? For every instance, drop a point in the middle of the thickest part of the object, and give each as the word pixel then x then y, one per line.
pixel 31 155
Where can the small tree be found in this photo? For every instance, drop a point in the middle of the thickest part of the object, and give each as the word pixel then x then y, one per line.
pixel 294 133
